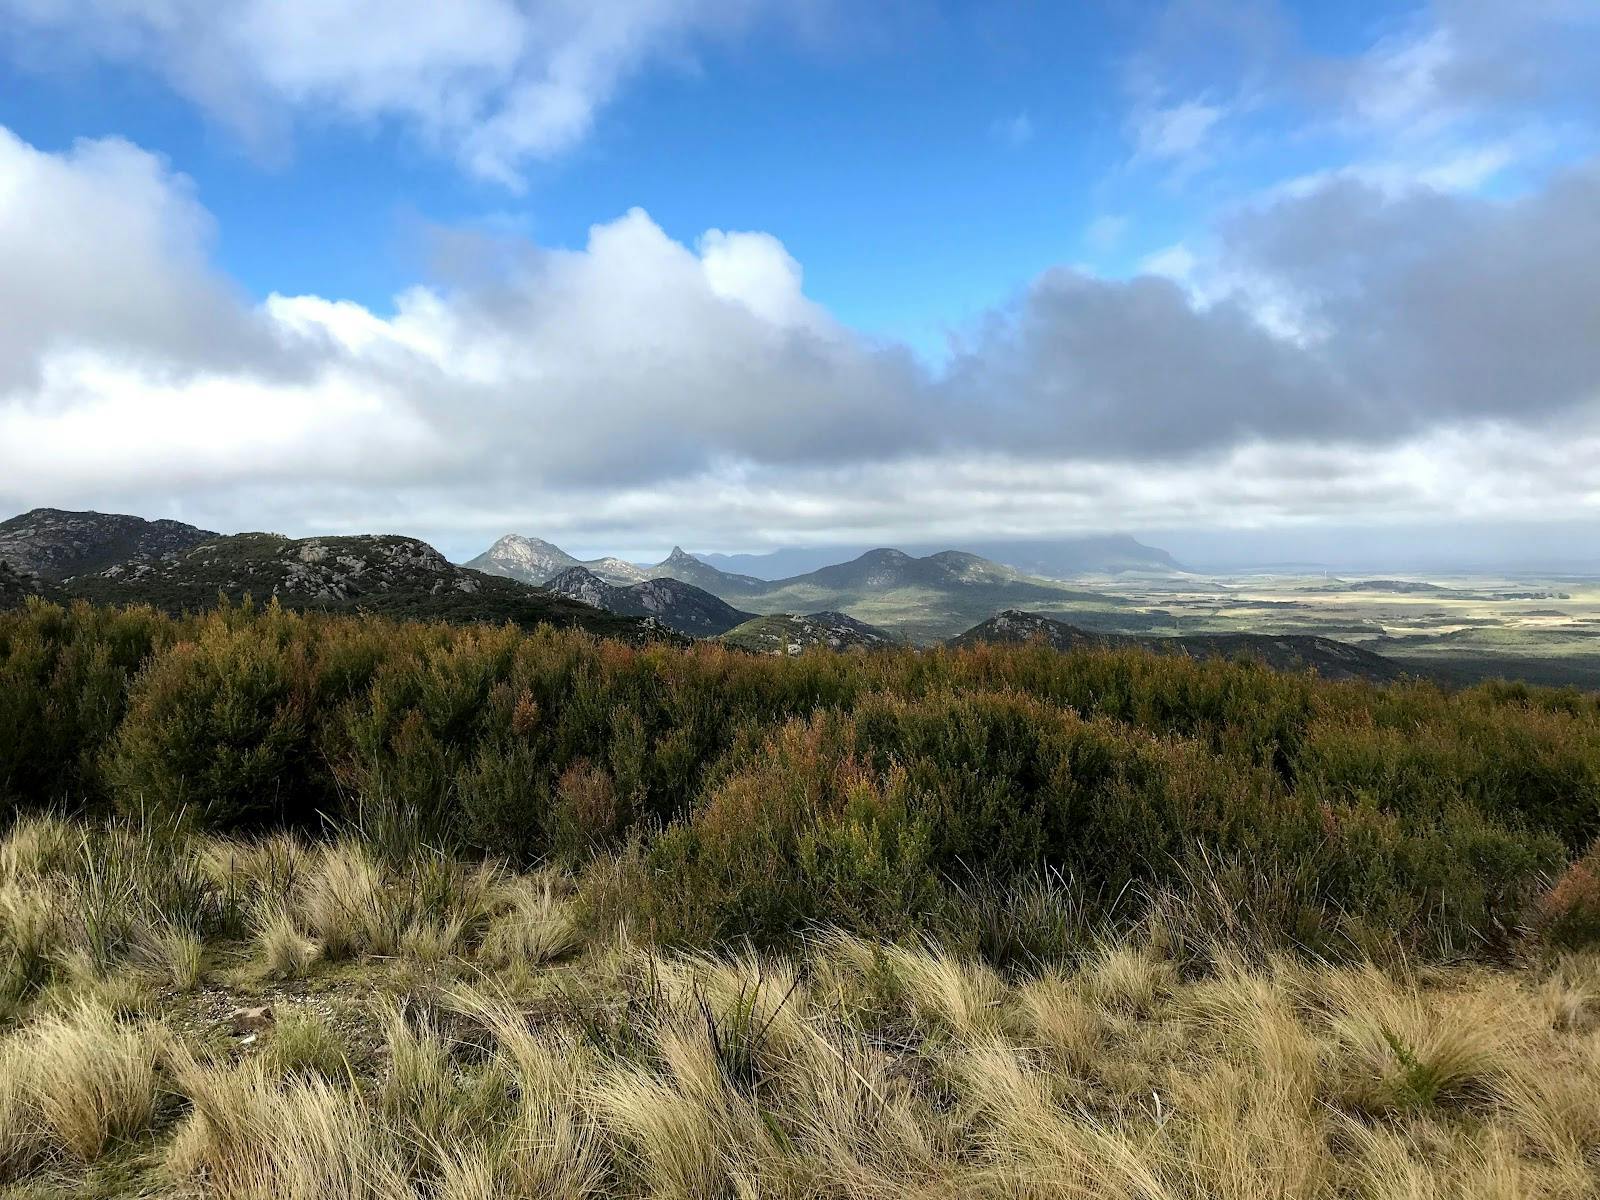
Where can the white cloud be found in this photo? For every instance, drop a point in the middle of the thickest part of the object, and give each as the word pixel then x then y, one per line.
pixel 104 245
pixel 639 388
pixel 1398 84
pixel 1177 131
pixel 1447 94
pixel 1176 262
pixel 496 83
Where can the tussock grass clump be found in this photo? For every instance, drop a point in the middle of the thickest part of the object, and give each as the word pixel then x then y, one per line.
pixel 248 1136
pixel 73 1082
pixel 1397 1049
pixel 286 952
pixel 534 926
pixel 302 1043
pixel 352 903
pixel 174 953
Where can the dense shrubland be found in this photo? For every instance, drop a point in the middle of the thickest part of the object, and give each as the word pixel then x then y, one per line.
pixel 726 796
pixel 543 915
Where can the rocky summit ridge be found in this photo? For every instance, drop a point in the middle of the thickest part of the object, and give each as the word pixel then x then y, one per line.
pixel 56 544
pixel 674 603
pixel 534 560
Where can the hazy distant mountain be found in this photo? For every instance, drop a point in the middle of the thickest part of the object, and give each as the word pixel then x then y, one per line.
pixel 676 604
pixel 54 543
pixel 394 576
pixel 785 633
pixel 1296 652
pixel 534 560
pixel 782 564
pixel 1060 558
pixel 1412 587
pixel 1064 558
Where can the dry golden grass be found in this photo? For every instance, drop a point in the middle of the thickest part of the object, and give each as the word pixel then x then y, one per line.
pixel 285 952
pixel 534 925
pixel 71 1082
pixel 476 1043
pixel 250 1136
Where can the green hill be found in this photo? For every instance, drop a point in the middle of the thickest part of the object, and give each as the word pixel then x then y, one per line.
pixel 785 633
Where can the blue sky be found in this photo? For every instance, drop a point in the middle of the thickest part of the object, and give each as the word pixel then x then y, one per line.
pixel 1019 268
pixel 968 145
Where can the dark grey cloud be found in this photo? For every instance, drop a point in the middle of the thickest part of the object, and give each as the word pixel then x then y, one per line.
pixel 1136 369
pixel 1439 307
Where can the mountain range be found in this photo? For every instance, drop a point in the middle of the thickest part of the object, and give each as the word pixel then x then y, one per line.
pixel 179 568
pixel 118 559
pixel 1060 558
pixel 534 560
pixel 925 598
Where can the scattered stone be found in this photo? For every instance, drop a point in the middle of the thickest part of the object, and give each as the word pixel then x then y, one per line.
pixel 252 1020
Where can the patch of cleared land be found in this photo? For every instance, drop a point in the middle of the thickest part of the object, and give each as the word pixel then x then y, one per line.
pixel 1466 628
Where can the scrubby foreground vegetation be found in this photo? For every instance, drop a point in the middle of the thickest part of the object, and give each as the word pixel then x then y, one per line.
pixel 548 915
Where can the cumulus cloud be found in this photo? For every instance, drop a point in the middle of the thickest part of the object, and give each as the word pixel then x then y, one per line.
pixel 496 83
pixel 105 246
pixel 1440 347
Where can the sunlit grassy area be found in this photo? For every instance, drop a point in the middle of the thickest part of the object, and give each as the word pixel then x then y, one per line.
pixel 464 1030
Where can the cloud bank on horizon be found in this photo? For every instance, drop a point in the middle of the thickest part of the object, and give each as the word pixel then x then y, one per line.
pixel 1405 328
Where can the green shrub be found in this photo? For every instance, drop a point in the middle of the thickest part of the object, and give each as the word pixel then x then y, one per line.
pixel 218 733
pixel 64 676
pixel 803 834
